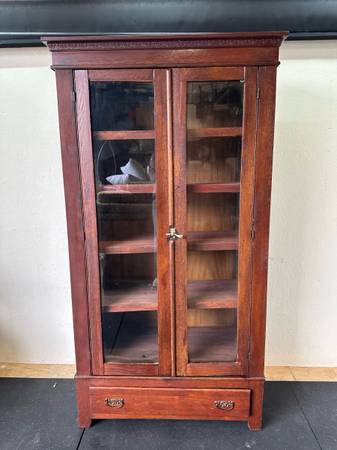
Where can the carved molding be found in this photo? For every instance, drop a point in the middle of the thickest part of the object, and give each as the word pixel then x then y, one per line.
pixel 159 44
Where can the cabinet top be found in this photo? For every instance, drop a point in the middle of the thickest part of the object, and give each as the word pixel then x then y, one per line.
pixel 165 40
pixel 164 50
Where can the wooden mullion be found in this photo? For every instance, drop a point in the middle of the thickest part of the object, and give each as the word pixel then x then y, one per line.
pixel 214 132
pixel 145 188
pixel 209 188
pixel 163 216
pixel 180 210
pixel 123 135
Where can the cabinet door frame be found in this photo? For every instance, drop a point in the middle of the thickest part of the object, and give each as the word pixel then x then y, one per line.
pixel 249 126
pixel 163 162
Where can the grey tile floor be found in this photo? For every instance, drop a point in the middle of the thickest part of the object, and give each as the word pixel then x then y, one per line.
pixel 41 415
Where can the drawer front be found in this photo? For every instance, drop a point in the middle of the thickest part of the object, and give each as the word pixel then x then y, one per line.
pixel 157 403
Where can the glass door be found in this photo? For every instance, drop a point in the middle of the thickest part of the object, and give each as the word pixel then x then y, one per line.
pixel 122 132
pixel 214 121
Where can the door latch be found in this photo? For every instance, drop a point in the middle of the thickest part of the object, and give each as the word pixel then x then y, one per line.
pixel 172 235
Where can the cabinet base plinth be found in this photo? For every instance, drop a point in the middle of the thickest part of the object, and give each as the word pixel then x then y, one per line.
pixel 170 398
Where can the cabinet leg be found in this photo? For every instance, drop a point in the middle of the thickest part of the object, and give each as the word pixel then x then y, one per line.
pixel 255 423
pixel 255 419
pixel 84 422
pixel 83 407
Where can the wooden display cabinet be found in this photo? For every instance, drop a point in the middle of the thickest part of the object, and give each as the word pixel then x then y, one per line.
pixel 167 157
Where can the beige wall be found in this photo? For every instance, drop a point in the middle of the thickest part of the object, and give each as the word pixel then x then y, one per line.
pixel 35 311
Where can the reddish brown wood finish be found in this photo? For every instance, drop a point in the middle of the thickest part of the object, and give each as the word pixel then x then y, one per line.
pixel 127 296
pixel 72 190
pixel 251 57
pixel 162 88
pixel 169 403
pixel 208 241
pixel 263 164
pixel 214 132
pixel 90 226
pixel 208 188
pixel 128 188
pixel 212 294
pixel 246 214
pixel 127 135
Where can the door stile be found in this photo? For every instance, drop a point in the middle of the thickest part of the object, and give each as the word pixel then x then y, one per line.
pixel 165 250
pixel 180 205
pixel 89 215
pixel 246 230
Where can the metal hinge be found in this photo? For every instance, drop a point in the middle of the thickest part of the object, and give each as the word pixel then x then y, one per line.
pixel 73 94
pixel 172 235
pixel 258 93
pixel 252 233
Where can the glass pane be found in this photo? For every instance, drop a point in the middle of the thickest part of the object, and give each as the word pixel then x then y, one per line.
pixel 121 105
pixel 124 161
pixel 130 337
pixel 126 222
pixel 211 297
pixel 214 104
pixel 213 200
pixel 213 160
pixel 213 212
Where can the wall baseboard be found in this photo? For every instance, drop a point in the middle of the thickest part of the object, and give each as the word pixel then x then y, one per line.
pixel 273 373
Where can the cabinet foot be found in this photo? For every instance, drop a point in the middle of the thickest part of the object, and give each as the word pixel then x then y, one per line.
pixel 84 422
pixel 255 423
pixel 255 419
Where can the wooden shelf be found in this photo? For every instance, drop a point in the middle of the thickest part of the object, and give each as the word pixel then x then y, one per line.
pixel 141 296
pixel 133 244
pixel 211 344
pixel 212 294
pixel 209 188
pixel 130 296
pixel 123 135
pixel 212 240
pixel 134 345
pixel 197 241
pixel 144 188
pixel 214 132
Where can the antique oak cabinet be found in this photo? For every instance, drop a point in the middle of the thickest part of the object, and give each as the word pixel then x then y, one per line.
pixel 167 157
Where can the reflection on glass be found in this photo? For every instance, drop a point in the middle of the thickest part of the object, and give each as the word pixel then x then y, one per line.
pixel 124 161
pixel 121 106
pixel 214 104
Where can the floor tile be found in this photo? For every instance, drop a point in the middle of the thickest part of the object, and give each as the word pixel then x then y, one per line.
pixel 319 404
pixel 285 428
pixel 38 414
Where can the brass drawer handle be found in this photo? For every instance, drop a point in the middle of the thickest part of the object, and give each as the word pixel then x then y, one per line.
pixel 226 405
pixel 114 402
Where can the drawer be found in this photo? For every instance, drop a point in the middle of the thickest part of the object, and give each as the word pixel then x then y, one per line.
pixel 160 403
